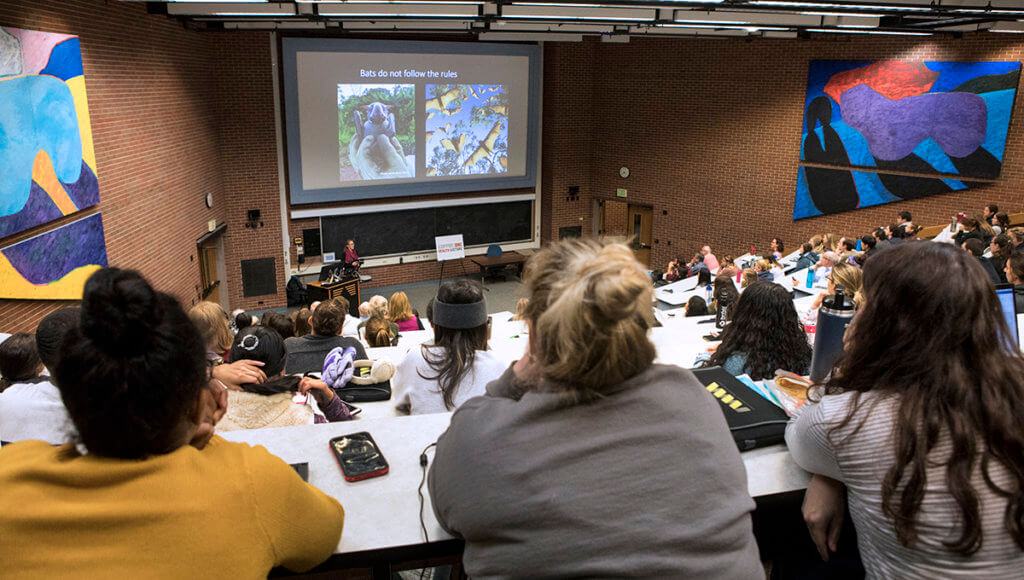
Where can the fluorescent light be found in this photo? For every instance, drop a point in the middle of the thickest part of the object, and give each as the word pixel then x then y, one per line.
pixel 855 31
pixel 530 37
pixel 407 25
pixel 1012 27
pixel 230 9
pixel 473 2
pixel 556 13
pixel 438 10
pixel 750 18
pixel 502 25
pixel 559 5
pixel 815 5
pixel 725 27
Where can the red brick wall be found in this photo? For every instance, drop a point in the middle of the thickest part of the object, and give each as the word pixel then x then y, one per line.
pixel 711 132
pixel 152 103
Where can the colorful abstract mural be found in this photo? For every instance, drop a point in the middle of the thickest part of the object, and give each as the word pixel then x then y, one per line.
pixel 928 118
pixel 54 265
pixel 47 162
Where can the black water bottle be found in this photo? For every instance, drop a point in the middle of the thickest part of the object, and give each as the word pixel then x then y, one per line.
pixel 834 316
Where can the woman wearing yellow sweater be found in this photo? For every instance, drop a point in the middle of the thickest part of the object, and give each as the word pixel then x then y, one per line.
pixel 150 491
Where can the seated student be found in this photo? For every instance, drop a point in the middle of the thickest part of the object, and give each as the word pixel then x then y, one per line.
pixel 967 228
pixel 977 249
pixel 272 403
pixel 903 218
pixel 520 309
pixel 378 332
pixel 278 322
pixel 896 233
pixel 882 237
pixel 989 212
pixel 1014 271
pixel 1017 237
pixel 379 307
pixel 727 267
pixel 1001 249
pixel 579 498
pixel 697 264
pixel 303 322
pixel 1001 223
pixel 774 267
pixel 987 233
pixel 214 327
pixel 847 247
pixel 456 366
pixel 748 277
pixel 19 361
pixel 696 306
pixel 725 297
pixel 674 272
pixel 808 257
pixel 829 243
pixel 821 270
pixel 402 314
pixel 763 269
pixel 151 492
pixel 778 249
pixel 869 243
pixel 921 423
pixel 849 277
pixel 242 320
pixel 306 353
pixel 765 335
pixel 709 259
pixel 34 410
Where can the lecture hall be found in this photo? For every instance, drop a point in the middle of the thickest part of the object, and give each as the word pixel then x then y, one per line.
pixel 399 289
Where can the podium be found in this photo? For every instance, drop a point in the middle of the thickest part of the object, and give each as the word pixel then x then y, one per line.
pixel 349 288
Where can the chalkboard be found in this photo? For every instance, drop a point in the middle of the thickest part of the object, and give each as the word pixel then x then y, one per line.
pixel 413 230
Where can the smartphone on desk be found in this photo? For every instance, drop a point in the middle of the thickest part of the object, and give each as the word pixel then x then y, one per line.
pixel 358 456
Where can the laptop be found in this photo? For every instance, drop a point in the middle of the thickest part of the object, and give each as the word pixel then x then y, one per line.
pixel 1006 301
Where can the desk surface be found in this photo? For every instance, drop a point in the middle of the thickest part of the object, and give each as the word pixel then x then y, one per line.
pixel 506 258
pixel 383 512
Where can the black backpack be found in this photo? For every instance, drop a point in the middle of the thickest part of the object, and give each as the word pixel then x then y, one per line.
pixel 296 292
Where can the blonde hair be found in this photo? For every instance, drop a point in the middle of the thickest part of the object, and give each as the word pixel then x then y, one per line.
pixel 521 309
pixel 762 265
pixel 749 276
pixel 589 312
pixel 399 307
pixel 850 278
pixel 378 332
pixel 815 243
pixel 830 243
pixel 212 322
pixel 379 306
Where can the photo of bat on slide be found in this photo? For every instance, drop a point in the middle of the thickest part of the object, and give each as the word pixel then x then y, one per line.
pixel 376 132
pixel 466 129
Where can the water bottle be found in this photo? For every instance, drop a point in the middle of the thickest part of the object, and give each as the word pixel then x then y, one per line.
pixel 707 294
pixel 810 277
pixel 858 244
pixel 834 316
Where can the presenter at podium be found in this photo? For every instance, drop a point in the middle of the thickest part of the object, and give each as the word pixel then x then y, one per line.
pixel 351 257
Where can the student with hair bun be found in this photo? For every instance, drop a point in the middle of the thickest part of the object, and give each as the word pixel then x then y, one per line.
pixel 151 492
pixel 588 459
pixel 456 366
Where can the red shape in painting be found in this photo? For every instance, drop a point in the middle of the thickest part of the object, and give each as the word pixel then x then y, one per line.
pixel 892 78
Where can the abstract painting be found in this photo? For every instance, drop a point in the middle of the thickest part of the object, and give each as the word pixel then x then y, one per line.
pixel 928 118
pixel 466 129
pixel 54 265
pixel 47 161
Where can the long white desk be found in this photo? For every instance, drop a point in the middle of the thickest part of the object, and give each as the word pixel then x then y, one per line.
pixel 383 512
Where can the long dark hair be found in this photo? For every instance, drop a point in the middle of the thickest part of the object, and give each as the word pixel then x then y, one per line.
pixel 132 370
pixel 766 328
pixel 1005 246
pixel 931 332
pixel 454 350
pixel 19 359
pixel 264 344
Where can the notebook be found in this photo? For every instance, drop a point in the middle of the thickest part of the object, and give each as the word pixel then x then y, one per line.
pixel 753 420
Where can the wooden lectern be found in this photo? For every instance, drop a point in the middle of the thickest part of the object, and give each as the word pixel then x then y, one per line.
pixel 349 288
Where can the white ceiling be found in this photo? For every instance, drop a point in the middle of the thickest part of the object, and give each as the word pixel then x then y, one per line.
pixel 615 20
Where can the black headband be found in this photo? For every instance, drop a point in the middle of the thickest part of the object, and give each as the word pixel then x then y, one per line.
pixel 459 316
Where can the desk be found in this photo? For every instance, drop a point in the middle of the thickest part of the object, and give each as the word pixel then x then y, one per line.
pixel 492 264
pixel 676 293
pixel 382 514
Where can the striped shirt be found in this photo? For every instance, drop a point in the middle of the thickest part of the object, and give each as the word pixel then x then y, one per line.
pixel 860 460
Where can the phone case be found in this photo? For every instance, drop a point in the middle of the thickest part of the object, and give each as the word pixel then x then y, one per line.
pixel 368 448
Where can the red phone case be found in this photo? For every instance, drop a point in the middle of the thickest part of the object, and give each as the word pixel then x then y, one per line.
pixel 362 476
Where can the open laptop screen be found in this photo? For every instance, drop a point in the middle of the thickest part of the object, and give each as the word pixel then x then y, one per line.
pixel 1005 294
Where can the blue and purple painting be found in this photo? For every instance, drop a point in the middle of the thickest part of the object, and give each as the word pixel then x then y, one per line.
pixel 54 265
pixel 930 118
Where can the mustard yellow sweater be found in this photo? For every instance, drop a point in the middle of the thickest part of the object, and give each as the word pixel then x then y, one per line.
pixel 228 511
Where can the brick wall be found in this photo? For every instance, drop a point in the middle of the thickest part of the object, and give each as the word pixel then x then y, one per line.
pixel 152 103
pixel 711 132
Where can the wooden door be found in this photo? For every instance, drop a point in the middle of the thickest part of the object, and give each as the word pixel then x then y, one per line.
pixel 209 281
pixel 642 232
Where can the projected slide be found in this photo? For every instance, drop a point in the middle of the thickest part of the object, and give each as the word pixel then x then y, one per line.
pixel 366 120
pixel 467 129
pixel 376 132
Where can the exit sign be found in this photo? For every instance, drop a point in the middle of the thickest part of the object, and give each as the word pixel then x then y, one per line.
pixel 620 192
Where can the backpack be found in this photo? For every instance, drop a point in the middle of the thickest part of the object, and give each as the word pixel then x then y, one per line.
pixel 296 292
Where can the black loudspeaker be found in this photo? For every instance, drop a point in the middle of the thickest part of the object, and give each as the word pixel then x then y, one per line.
pixel 311 241
pixel 570 232
pixel 259 277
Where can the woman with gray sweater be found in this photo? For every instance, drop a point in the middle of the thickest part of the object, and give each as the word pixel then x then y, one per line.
pixel 585 459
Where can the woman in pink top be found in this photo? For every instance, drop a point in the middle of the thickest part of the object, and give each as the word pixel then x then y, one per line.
pixel 402 314
pixel 351 257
